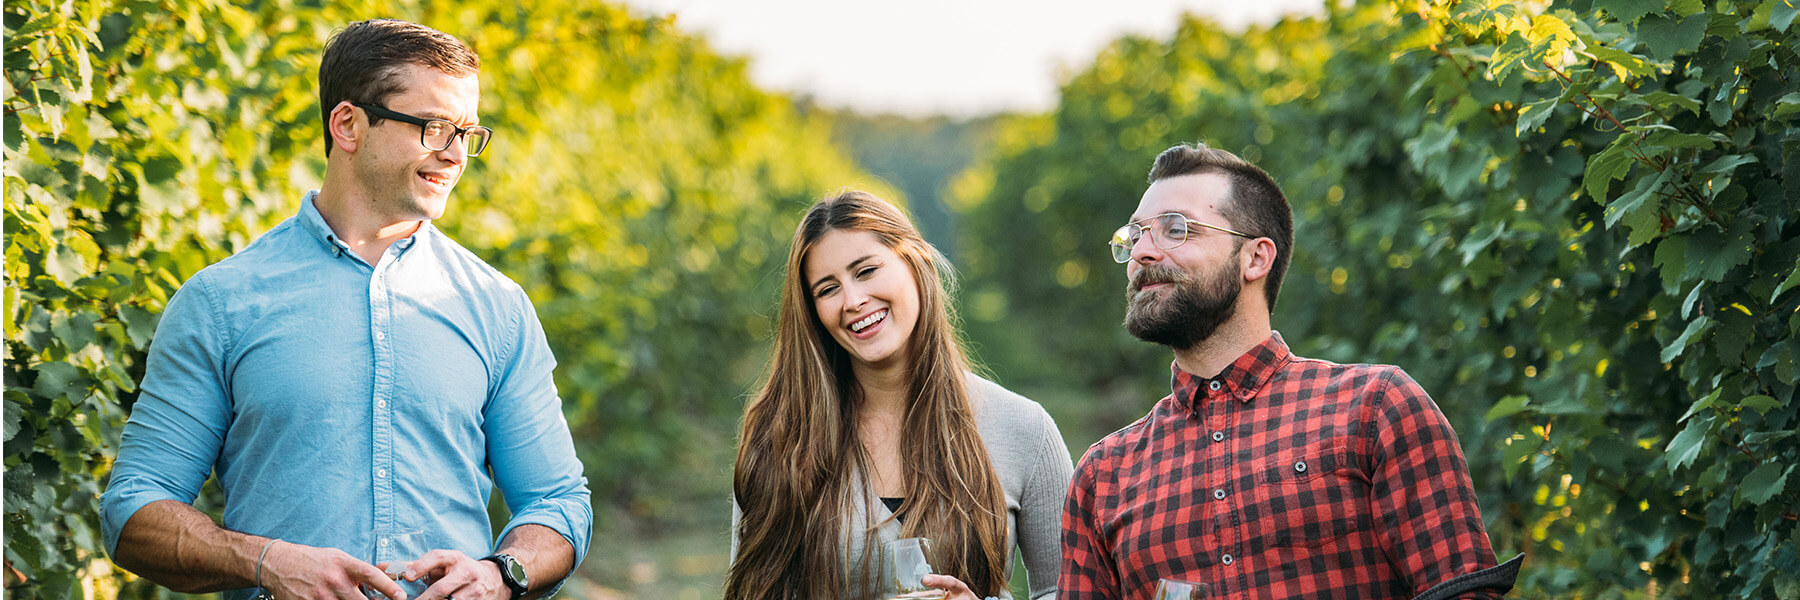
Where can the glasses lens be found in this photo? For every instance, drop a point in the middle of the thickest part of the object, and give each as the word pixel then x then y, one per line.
pixel 476 139
pixel 1171 230
pixel 436 134
pixel 1123 240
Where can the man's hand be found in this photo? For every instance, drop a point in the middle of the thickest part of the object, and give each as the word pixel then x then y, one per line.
pixel 455 575
pixel 296 572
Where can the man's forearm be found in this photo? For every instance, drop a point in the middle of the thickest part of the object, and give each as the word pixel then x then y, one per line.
pixel 179 547
pixel 546 555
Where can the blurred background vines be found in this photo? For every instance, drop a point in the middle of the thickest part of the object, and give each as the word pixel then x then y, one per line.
pixel 1576 223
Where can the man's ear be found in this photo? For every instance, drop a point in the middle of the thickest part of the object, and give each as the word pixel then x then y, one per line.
pixel 345 127
pixel 1257 258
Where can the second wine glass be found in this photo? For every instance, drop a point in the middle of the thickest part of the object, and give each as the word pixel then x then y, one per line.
pixel 1176 589
pixel 906 571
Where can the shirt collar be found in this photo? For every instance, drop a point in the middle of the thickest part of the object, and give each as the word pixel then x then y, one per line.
pixel 1240 379
pixel 316 226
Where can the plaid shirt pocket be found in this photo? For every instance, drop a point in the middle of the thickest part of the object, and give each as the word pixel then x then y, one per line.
pixel 1311 498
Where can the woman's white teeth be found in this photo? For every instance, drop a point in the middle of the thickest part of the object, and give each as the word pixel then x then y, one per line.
pixel 867 321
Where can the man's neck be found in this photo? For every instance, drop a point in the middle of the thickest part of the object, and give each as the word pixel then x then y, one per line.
pixel 366 233
pixel 1224 346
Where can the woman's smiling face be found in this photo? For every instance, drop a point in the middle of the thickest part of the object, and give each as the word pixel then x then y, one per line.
pixel 865 294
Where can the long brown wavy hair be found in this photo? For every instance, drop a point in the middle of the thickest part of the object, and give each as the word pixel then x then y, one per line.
pixel 799 446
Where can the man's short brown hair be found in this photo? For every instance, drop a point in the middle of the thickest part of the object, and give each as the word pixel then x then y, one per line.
pixel 362 62
pixel 1256 205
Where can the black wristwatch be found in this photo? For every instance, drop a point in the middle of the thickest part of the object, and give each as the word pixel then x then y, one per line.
pixel 512 573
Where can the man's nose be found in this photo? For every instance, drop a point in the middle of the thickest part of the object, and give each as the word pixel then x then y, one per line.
pixel 1144 250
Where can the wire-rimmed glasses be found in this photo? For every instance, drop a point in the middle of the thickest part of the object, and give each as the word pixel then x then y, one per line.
pixel 437 134
pixel 1168 231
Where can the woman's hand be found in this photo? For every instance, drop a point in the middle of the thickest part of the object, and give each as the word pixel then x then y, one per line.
pixel 953 587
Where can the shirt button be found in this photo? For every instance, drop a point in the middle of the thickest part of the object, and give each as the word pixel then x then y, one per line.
pixel 1227 560
pixel 382 473
pixel 1218 436
pixel 1300 467
pixel 1219 494
pixel 381 404
pixel 1215 386
pixel 383 542
pixel 379 336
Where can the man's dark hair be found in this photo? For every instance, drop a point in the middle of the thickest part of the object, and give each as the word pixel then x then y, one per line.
pixel 362 62
pixel 1256 205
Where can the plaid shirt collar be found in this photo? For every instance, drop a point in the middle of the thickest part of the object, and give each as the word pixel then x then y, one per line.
pixel 1240 379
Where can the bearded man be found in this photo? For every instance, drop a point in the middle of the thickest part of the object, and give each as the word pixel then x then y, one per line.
pixel 1262 474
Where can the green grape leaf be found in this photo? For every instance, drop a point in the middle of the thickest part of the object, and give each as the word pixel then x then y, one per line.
pixel 1711 253
pixel 15 414
pixel 1760 403
pixel 1764 482
pixel 1783 15
pixel 1533 115
pixel 1728 163
pixel 1508 406
pixel 1700 405
pixel 1627 65
pixel 1667 37
pixel 1607 166
pixel 1793 279
pixel 1629 11
pixel 1675 100
pixel 1686 446
pixel 1675 347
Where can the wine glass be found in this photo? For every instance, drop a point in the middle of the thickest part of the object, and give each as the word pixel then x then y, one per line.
pixel 398 549
pixel 906 571
pixel 1176 589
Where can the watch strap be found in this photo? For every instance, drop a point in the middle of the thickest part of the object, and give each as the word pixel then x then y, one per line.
pixel 507 564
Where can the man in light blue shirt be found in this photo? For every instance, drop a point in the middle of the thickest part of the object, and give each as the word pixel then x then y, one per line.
pixel 357 382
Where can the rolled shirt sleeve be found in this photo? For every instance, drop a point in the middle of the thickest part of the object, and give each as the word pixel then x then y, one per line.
pixel 529 444
pixel 178 425
pixel 1430 522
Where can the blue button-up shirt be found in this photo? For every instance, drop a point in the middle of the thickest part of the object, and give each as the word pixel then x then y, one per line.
pixel 353 406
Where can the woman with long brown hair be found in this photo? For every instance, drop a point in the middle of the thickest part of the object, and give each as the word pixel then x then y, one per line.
pixel 871 427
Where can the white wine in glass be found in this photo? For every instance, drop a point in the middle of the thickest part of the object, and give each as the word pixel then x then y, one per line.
pixel 1176 589
pixel 906 570
pixel 395 550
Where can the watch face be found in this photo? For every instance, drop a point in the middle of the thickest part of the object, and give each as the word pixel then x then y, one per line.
pixel 517 571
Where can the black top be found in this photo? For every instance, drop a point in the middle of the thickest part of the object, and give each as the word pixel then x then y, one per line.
pixel 893 504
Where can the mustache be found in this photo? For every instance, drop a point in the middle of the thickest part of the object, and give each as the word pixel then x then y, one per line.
pixel 1153 274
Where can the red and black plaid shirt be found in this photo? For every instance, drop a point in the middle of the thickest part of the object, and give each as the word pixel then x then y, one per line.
pixel 1282 477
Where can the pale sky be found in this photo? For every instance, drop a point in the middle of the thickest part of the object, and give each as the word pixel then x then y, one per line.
pixel 935 56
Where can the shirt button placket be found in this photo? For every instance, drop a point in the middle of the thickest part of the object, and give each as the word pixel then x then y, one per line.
pixel 1228 520
pixel 380 323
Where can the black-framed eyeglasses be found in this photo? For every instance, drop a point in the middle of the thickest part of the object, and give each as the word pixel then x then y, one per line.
pixel 437 134
pixel 1168 231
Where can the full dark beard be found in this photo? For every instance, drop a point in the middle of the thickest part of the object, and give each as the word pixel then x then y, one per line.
pixel 1183 317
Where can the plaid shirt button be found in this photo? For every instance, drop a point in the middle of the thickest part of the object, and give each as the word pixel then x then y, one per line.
pixel 1218 436
pixel 1219 494
pixel 1227 560
pixel 1300 467
pixel 1214 385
